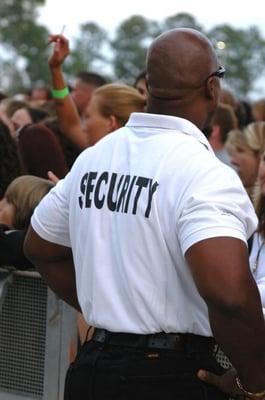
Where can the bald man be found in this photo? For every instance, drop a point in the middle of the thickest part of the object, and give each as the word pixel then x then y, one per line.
pixel 147 237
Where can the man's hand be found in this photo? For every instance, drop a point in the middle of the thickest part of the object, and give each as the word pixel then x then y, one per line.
pixel 234 306
pixel 60 50
pixel 226 382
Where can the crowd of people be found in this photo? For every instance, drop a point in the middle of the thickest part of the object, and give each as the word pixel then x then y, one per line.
pixel 120 152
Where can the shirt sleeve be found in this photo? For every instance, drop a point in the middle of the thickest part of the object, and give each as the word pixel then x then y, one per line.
pixel 215 204
pixel 51 217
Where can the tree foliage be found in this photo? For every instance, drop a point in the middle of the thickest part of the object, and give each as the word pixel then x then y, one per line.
pixel 23 42
pixel 243 55
pixel 88 49
pixel 24 53
pixel 181 20
pixel 133 37
pixel 130 44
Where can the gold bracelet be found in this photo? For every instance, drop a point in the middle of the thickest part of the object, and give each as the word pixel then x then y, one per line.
pixel 257 395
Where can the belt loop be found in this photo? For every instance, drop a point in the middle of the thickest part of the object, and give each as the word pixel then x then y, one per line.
pixel 102 336
pixel 143 342
pixel 190 349
pixel 106 335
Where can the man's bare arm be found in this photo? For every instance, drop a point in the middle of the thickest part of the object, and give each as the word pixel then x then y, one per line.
pixel 221 272
pixel 55 264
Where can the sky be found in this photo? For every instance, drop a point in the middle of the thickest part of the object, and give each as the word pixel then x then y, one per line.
pixel 109 13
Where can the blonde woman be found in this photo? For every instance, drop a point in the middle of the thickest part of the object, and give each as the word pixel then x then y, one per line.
pixel 245 147
pixel 109 108
pixel 20 199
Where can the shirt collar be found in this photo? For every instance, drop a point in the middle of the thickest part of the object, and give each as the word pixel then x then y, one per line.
pixel 168 122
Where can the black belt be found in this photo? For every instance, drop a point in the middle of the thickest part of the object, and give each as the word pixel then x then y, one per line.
pixel 166 341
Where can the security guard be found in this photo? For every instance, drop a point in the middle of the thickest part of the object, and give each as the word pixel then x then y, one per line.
pixel 147 237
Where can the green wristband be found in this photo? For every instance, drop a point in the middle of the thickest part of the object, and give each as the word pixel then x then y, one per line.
pixel 61 93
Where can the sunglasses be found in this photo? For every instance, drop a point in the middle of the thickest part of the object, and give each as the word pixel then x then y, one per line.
pixel 219 73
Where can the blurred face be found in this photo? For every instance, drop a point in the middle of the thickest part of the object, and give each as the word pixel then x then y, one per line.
pixel 81 95
pixel 261 174
pixel 246 162
pixel 20 118
pixel 39 94
pixel 7 213
pixel 94 123
pixel 6 120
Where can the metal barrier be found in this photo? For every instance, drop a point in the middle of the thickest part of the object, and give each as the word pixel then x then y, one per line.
pixel 36 329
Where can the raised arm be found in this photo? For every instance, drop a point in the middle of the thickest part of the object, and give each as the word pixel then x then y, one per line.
pixel 65 108
pixel 223 278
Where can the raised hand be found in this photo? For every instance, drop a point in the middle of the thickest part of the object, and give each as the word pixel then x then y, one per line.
pixel 60 50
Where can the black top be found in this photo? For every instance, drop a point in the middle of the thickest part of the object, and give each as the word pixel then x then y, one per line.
pixel 11 248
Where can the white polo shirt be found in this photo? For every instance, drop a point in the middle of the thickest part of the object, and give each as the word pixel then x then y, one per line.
pixel 130 208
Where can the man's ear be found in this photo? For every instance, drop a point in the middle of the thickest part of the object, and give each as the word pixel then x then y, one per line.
pixel 212 88
pixel 212 92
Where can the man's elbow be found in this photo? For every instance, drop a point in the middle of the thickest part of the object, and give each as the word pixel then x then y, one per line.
pixel 41 251
pixel 230 305
pixel 231 301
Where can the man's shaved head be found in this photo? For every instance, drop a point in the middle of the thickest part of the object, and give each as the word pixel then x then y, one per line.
pixel 177 60
pixel 182 76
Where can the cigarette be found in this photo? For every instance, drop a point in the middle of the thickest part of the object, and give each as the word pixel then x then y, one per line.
pixel 62 31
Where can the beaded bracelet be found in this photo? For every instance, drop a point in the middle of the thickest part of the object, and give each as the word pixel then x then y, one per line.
pixel 60 93
pixel 258 395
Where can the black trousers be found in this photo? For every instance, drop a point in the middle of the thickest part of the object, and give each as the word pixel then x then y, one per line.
pixel 106 372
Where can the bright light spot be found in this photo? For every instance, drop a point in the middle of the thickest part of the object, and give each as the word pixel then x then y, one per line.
pixel 221 45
